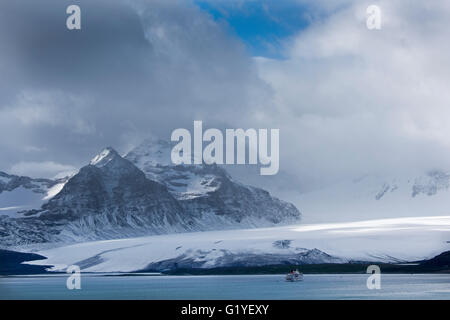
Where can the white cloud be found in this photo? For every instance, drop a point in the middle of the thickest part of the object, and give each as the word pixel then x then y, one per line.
pixel 45 169
pixel 352 100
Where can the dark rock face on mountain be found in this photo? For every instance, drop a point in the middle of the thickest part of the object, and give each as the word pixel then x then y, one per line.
pixel 109 198
pixel 112 198
pixel 243 204
pixel 209 191
pixel 115 185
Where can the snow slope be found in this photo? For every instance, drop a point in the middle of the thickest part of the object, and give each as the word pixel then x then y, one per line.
pixel 376 197
pixel 402 239
pixel 19 194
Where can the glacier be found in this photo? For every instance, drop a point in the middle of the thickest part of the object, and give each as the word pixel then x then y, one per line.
pixel 388 240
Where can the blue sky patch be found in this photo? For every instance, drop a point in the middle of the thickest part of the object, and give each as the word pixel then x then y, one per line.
pixel 262 25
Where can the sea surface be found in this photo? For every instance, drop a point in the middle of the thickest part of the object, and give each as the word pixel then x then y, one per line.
pixel 336 286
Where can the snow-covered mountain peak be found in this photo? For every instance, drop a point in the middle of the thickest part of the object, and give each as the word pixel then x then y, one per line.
pixel 104 157
pixel 114 197
pixel 151 152
pixel 184 181
pixel 112 164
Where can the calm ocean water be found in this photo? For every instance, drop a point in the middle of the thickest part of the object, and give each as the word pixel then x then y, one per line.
pixel 403 286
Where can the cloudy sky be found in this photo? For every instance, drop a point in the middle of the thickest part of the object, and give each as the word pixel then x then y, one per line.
pixel 347 100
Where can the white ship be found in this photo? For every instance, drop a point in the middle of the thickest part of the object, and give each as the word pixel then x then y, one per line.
pixel 294 275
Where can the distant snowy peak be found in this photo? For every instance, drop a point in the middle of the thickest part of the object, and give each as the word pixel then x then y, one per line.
pixel 430 184
pixel 10 182
pixel 19 194
pixel 183 181
pixel 377 196
pixel 151 152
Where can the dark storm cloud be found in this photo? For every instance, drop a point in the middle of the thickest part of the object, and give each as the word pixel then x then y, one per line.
pixel 134 69
pixel 347 100
pixel 44 54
